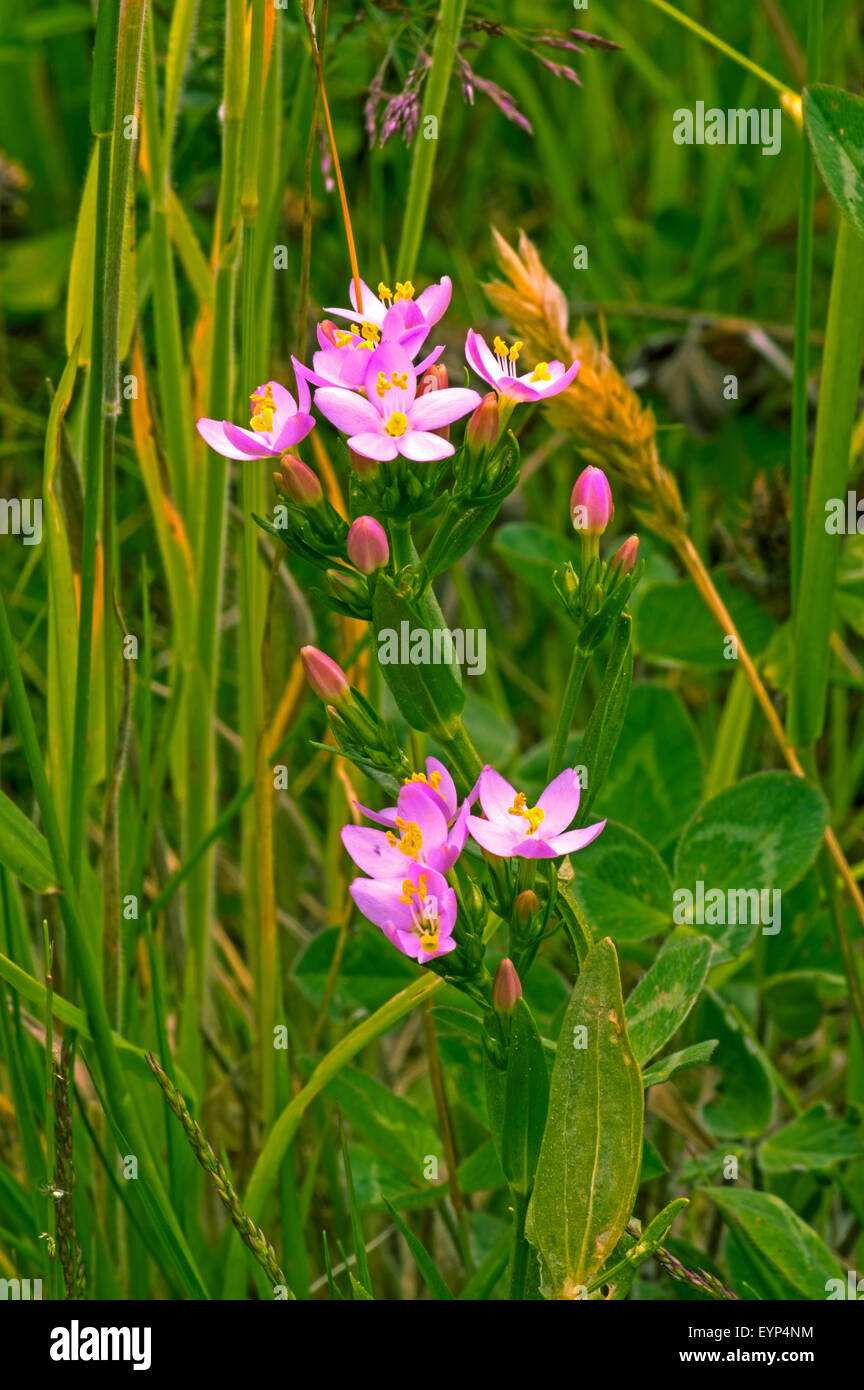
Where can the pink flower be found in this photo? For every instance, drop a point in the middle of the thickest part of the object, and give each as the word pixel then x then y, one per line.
pixel 416 911
pixel 345 355
pixel 391 419
pixel 438 786
pixel 499 369
pixel 277 424
pixel 427 308
pixel 418 833
pixel 512 827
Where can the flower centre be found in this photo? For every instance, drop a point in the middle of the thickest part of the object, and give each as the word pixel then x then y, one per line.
pixel 507 357
pixel 411 842
pixel 345 338
pixel 397 424
pixel 404 290
pixel 541 372
pixel 424 915
pixel 397 379
pixel 263 410
pixel 532 814
pixel 370 331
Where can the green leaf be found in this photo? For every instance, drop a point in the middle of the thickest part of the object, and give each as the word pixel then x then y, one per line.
pixel 623 886
pixel 835 124
pixel 534 552
pixel 590 1158
pixel 429 694
pixel 666 993
pixel 671 623
pixel 812 1143
pixel 362 1281
pixel 761 834
pixel 655 780
pixel 603 730
pixel 678 1061
pixel 744 1096
pixel 517 1099
pixel 426 1265
pixel 23 850
pixel 369 974
pixel 385 1121
pixel 791 1260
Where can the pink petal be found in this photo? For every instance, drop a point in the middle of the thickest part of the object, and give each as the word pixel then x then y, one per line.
pixel 378 899
pixel 373 446
pixel 446 788
pixel 439 408
pixel 434 300
pixel 423 448
pixel 374 309
pixel 347 411
pixel 559 802
pixel 293 431
pixel 386 817
pixel 213 431
pixel 391 359
pixel 372 852
pixel 572 840
pixel 423 366
pixel 481 358
pixel 415 805
pixel 496 797
pixel 254 443
pixel 283 400
pixel 498 839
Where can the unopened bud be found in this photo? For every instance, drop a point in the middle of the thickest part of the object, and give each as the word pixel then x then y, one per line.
pixel 526 905
pixel 326 678
pixel 367 544
pixel 485 425
pixel 626 554
pixel 297 481
pixel 506 988
pixel 363 467
pixel 329 331
pixel 591 506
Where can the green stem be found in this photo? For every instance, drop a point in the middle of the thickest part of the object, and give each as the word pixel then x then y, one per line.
pixel 423 162
pixel 723 47
pixel 578 666
pixel 520 1248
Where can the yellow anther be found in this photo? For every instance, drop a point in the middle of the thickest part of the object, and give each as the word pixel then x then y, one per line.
pixel 382 385
pixel 433 780
pixel 411 842
pixel 541 372
pixel 396 425
pixel 429 940
pixel 343 338
pixel 263 410
pixel 500 346
pixel 515 351
pixel 532 814
pixel 384 291
pixel 370 331
pixel 404 289
pixel 409 890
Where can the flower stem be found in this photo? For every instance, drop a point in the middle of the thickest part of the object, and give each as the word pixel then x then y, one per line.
pixel 723 47
pixel 578 666
pixel 520 1248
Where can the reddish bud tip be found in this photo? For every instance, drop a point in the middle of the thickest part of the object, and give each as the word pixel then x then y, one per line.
pixel 297 481
pixel 326 678
pixel 506 988
pixel 485 424
pixel 625 555
pixel 433 379
pixel 591 506
pixel 367 544
pixel 329 330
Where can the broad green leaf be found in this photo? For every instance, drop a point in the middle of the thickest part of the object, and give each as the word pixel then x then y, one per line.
pixel 760 835
pixel 744 1096
pixel 655 780
pixel 590 1158
pixel 534 552
pixel 623 886
pixel 369 974
pixel 23 850
pixel 671 623
pixel 835 124
pixel 383 1120
pixel 812 1143
pixel 678 1061
pixel 495 737
pixel 666 993
pixel 791 1260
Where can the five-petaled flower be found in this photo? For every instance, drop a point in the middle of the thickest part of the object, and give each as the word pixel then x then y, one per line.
pixel 513 828
pixel 418 832
pixel 387 309
pixel 391 419
pixel 498 368
pixel 277 424
pixel 416 911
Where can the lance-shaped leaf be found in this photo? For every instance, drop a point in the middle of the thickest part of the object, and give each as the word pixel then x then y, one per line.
pixel 666 993
pixel 590 1158
pixel 786 1254
pixel 517 1098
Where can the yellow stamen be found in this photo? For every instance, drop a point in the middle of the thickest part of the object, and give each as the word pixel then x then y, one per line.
pixel 499 346
pixel 384 291
pixel 541 372
pixel 404 290
pixel 515 351
pixel 396 425
pixel 370 331
pixel 429 940
pixel 532 814
pixel 263 410
pixel 409 890
pixel 399 379
pixel 433 781
pixel 411 842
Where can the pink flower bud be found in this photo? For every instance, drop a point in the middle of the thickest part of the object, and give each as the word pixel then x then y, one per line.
pixel 434 379
pixel 367 544
pixel 328 680
pixel 297 481
pixel 625 555
pixel 363 467
pixel 506 987
pixel 591 506
pixel 485 424
pixel 329 330
pixel 526 905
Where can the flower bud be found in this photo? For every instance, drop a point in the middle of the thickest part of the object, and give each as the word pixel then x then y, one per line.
pixel 329 331
pixel 297 481
pixel 506 988
pixel 363 467
pixel 526 905
pixel 367 544
pixel 326 678
pixel 434 379
pixel 485 425
pixel 591 506
pixel 625 555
